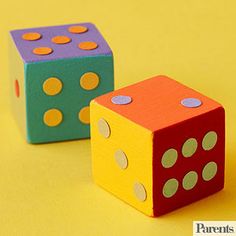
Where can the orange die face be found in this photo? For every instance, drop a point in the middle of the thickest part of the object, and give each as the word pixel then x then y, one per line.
pixel 159 102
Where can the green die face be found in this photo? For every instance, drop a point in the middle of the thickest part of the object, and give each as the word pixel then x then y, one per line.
pixel 56 71
pixel 69 101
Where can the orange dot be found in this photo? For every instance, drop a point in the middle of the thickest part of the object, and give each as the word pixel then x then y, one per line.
pixel 88 45
pixel 84 115
pixel 17 88
pixel 77 29
pixel 42 51
pixel 31 36
pixel 61 39
pixel 53 117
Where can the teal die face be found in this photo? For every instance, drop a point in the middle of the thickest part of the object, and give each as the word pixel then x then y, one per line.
pixel 69 101
pixel 56 71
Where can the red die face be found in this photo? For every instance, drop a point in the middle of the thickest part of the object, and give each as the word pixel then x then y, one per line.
pixel 188 161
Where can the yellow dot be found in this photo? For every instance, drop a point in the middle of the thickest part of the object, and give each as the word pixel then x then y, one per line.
pixel 84 115
pixel 209 141
pixel 77 29
pixel 104 128
pixel 209 171
pixel 140 192
pixel 60 39
pixel 88 45
pixel 89 81
pixel 170 188
pixel 190 180
pixel 42 51
pixel 52 117
pixel 121 159
pixel 189 147
pixel 52 86
pixel 169 158
pixel 31 36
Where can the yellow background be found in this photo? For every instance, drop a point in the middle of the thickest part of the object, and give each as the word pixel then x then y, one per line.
pixel 48 189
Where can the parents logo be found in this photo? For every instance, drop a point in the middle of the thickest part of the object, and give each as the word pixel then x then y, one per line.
pixel 211 228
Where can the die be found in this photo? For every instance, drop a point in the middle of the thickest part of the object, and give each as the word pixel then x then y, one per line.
pixel 55 72
pixel 158 145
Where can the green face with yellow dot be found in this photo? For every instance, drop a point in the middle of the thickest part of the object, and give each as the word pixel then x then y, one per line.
pixel 58 94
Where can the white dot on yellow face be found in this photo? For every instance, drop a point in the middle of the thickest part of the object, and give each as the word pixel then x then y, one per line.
pixel 209 171
pixel 170 188
pixel 104 128
pixel 209 141
pixel 121 159
pixel 190 180
pixel 140 192
pixel 189 147
pixel 169 158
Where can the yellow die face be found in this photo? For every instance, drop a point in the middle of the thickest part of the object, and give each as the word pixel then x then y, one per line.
pixel 122 157
pixel 18 101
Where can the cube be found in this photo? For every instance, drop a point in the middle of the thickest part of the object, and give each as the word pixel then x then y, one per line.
pixel 158 145
pixel 55 72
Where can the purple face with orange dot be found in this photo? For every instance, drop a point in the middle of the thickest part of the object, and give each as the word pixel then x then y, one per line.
pixel 60 42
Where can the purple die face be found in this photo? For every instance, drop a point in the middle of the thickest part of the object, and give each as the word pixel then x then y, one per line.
pixel 69 49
